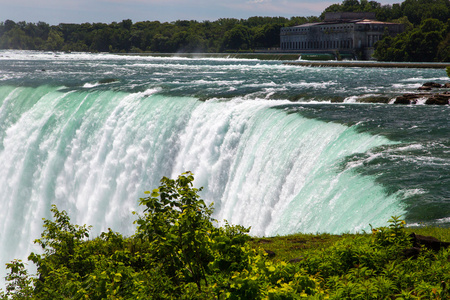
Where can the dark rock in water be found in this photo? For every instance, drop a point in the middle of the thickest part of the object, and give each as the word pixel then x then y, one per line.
pixel 428 242
pixel 270 253
pixel 292 98
pixel 437 99
pixel 447 85
pixel 403 100
pixel 337 99
pixel 432 85
pixel 436 85
pixel 424 88
pixel 107 80
pixel 374 99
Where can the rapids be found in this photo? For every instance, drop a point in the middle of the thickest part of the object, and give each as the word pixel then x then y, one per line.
pixel 91 133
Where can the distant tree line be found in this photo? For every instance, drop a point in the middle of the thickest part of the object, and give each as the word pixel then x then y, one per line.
pixel 426 38
pixel 150 36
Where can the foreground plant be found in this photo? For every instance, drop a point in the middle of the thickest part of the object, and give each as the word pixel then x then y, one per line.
pixel 179 252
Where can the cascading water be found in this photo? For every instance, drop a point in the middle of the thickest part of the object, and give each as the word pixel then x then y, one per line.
pixel 93 147
pixel 93 154
pixel 279 172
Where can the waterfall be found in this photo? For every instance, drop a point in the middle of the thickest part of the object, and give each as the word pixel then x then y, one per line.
pixel 93 153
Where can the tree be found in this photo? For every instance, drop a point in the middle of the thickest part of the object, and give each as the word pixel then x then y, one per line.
pixel 237 38
pixel 55 40
pixel 178 225
pixel 59 266
pixel 423 43
pixel 176 252
pixel 444 49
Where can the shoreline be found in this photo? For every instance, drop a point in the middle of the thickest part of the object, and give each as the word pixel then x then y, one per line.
pixel 368 64
pixel 255 55
pixel 293 60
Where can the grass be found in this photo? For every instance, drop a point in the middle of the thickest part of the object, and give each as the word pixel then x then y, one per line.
pixel 297 246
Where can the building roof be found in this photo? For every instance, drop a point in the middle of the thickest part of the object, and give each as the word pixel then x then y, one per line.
pixel 357 21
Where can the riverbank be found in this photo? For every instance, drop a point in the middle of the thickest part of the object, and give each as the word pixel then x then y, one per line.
pixel 260 56
pixel 368 64
pixel 293 59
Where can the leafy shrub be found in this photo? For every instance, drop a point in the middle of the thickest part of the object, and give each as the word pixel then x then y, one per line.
pixel 177 253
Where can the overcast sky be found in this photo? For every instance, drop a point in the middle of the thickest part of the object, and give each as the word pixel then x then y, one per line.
pixel 107 11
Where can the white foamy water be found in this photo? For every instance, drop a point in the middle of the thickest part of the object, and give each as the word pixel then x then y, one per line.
pixel 265 141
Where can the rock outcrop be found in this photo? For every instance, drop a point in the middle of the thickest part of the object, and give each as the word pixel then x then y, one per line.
pixel 440 98
pixel 420 242
pixel 428 242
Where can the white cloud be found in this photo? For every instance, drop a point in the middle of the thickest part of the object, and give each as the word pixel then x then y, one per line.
pixel 258 1
pixel 61 11
pixel 284 8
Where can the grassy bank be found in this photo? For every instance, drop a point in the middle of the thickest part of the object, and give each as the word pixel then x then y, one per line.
pixel 297 246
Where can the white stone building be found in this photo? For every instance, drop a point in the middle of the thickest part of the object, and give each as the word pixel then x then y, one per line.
pixel 347 34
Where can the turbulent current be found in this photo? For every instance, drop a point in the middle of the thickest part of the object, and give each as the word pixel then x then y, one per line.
pixel 282 149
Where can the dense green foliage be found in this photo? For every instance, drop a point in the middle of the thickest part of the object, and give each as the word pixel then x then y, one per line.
pixel 430 41
pixel 414 10
pixel 177 253
pixel 427 36
pixel 150 36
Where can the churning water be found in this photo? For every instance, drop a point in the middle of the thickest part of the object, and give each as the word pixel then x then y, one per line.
pixel 279 148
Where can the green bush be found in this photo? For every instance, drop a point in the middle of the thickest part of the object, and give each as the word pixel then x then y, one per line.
pixel 178 253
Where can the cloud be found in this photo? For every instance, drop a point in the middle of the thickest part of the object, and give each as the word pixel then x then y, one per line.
pixel 283 8
pixel 69 11
pixel 258 1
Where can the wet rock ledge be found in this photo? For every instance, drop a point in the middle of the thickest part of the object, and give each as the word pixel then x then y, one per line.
pixel 426 96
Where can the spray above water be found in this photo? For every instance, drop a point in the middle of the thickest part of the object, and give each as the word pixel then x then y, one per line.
pixel 92 144
pixel 95 153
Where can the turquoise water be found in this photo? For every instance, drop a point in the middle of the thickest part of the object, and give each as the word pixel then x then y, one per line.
pixel 269 144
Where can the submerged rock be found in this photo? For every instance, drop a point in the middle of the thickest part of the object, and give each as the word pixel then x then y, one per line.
pixel 430 98
pixel 337 99
pixel 432 85
pixel 411 98
pixel 424 88
pixel 439 99
pixel 107 80
pixel 374 99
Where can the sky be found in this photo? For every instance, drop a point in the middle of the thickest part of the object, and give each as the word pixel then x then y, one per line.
pixel 106 11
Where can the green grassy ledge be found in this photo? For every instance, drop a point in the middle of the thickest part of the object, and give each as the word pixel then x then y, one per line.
pixel 295 246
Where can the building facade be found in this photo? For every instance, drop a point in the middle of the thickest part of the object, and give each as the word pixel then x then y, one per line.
pixel 350 34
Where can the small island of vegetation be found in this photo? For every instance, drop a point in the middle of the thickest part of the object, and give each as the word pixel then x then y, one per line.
pixel 179 252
